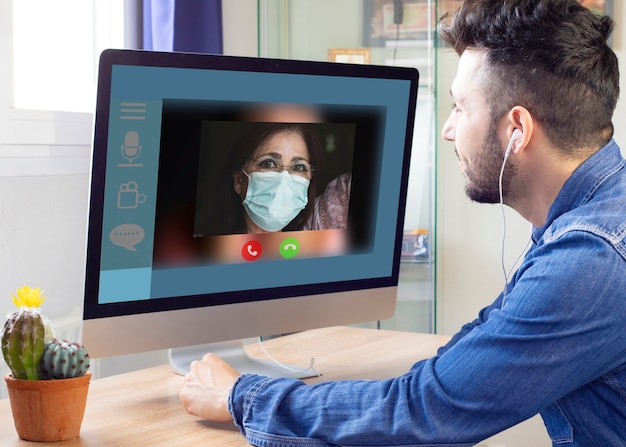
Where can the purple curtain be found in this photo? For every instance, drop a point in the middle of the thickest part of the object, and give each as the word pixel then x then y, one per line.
pixel 183 25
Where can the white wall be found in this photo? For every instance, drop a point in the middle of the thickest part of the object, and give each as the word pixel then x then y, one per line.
pixel 240 27
pixel 619 45
pixel 42 197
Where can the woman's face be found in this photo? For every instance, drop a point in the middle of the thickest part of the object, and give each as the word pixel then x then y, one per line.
pixel 285 150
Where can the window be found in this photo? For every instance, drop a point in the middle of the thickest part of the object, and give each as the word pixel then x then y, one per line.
pixel 55 51
pixel 47 84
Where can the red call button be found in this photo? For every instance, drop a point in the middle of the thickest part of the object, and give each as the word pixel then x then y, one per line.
pixel 251 250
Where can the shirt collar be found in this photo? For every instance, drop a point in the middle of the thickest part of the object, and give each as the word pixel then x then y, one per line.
pixel 584 181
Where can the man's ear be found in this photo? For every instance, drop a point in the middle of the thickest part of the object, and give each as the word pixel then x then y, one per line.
pixel 521 126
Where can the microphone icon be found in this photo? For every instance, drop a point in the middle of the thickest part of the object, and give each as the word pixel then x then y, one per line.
pixel 131 149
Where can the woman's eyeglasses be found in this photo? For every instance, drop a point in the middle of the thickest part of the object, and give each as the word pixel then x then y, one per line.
pixel 300 167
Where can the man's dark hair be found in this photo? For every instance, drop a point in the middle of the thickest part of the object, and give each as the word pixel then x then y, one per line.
pixel 549 56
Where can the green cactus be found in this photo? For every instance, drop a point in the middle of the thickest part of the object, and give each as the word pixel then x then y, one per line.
pixel 63 360
pixel 25 333
pixel 23 343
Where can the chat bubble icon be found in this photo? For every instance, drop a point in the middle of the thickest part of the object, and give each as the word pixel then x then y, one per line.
pixel 127 236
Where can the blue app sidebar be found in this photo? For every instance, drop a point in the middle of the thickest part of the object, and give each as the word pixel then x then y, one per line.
pixel 130 199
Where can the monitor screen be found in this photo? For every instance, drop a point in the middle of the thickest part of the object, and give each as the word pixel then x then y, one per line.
pixel 236 197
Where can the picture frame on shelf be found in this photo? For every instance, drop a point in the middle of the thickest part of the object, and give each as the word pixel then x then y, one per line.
pixel 397 20
pixel 349 55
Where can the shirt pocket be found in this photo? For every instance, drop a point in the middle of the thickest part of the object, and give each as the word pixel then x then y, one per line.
pixel 559 428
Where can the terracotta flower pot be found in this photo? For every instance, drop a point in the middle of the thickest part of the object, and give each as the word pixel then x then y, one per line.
pixel 48 410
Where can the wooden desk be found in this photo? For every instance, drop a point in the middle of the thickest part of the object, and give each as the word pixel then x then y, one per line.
pixel 142 408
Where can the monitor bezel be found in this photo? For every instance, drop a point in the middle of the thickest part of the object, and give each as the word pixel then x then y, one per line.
pixel 349 291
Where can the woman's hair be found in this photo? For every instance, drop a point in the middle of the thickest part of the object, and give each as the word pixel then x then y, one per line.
pixel 229 216
pixel 549 56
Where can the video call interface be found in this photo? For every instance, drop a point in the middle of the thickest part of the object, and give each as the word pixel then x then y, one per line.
pixel 200 219
pixel 201 186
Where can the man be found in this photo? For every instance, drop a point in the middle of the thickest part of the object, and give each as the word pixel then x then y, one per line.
pixel 534 96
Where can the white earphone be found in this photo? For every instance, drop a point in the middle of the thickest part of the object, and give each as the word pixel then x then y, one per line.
pixel 517 134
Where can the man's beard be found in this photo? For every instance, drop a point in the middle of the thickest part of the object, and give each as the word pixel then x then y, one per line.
pixel 483 181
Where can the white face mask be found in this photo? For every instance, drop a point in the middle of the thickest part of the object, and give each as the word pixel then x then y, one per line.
pixel 274 199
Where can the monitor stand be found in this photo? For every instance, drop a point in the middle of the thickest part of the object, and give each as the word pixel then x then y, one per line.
pixel 233 352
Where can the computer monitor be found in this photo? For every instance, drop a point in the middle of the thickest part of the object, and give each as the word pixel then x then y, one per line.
pixel 182 246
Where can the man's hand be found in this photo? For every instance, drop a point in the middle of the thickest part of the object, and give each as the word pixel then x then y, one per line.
pixel 206 389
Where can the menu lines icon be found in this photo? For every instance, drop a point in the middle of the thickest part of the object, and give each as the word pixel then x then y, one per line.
pixel 133 111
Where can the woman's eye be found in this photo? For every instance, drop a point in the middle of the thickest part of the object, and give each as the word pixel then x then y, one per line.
pixel 268 163
pixel 299 168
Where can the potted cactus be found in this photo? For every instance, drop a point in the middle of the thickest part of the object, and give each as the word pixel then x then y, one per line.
pixel 49 378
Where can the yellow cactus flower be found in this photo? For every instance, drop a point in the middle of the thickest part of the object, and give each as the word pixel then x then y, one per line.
pixel 28 297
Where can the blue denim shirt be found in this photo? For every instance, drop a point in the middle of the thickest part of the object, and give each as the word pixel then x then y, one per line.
pixel 557 346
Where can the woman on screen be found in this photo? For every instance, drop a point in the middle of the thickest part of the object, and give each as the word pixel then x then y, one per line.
pixel 268 183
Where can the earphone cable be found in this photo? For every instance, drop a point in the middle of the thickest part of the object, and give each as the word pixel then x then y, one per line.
pixel 507 273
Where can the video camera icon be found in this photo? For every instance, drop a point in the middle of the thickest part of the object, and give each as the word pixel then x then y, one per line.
pixel 128 196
